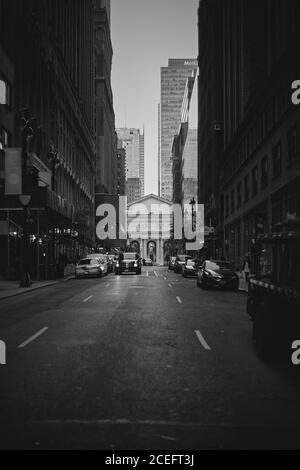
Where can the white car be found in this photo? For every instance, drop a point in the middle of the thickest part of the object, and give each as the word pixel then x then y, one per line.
pixel 88 267
pixel 103 261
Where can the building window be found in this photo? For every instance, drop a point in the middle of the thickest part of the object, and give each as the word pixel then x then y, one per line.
pixel 277 163
pixel 246 188
pixel 5 138
pixel 232 201
pixel 292 142
pixel 239 195
pixel 254 181
pixel 5 92
pixel 264 172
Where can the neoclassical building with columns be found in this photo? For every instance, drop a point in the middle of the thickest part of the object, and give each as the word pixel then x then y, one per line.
pixel 149 227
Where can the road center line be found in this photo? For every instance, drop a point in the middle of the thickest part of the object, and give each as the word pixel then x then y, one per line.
pixel 202 340
pixel 88 298
pixel 32 338
pixel 179 300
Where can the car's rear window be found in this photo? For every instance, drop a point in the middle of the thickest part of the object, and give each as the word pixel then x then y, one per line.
pixel 130 256
pixel 216 265
pixel 190 262
pixel 88 261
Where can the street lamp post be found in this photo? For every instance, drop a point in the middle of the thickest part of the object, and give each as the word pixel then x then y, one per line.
pixel 25 280
pixel 27 133
pixel 193 203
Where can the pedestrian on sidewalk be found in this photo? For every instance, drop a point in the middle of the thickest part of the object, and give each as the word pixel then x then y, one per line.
pixel 246 267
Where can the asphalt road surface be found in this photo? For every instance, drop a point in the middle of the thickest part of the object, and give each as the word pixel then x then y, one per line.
pixel 139 362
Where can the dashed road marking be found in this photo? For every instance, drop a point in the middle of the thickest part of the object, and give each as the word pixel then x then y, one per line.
pixel 107 285
pixel 32 338
pixel 179 300
pixel 155 273
pixel 202 340
pixel 170 285
pixel 88 298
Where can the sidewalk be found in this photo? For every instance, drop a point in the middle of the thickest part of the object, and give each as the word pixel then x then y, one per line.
pixel 11 288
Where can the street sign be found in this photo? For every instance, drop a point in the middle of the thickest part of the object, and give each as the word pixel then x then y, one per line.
pixel 25 199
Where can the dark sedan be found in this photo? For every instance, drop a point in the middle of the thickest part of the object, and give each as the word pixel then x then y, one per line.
pixel 189 268
pixel 217 274
pixel 180 262
pixel 171 262
pixel 129 262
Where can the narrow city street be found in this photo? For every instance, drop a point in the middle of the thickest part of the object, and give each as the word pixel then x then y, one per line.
pixel 139 362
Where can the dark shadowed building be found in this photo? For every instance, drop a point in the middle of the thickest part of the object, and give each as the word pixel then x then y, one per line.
pixel 248 127
pixel 47 59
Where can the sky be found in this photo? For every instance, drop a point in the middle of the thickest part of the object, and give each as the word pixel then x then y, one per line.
pixel 145 34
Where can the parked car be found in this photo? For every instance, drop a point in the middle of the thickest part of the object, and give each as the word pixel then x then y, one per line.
pixel 171 262
pixel 148 262
pixel 88 267
pixel 103 261
pixel 131 262
pixel 190 268
pixel 217 274
pixel 180 262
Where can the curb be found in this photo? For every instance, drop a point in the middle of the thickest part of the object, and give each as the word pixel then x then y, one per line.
pixel 30 289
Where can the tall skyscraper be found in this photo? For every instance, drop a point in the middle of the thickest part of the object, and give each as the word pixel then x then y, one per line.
pixel 173 81
pixel 106 139
pixel 134 144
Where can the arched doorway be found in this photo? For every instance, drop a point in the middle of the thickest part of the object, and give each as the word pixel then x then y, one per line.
pixel 134 246
pixel 151 250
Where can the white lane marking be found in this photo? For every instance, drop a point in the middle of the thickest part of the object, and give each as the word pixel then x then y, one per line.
pixel 147 273
pixel 179 300
pixel 170 285
pixel 165 278
pixel 32 338
pixel 117 422
pixel 107 285
pixel 88 298
pixel 155 273
pixel 202 340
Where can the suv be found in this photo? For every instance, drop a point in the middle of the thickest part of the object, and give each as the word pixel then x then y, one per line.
pixel 129 262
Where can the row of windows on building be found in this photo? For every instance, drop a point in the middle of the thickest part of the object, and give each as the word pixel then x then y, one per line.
pixel 267 119
pixel 251 184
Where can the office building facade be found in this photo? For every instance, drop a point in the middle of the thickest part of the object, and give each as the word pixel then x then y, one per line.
pixel 133 141
pixel 249 128
pixel 172 87
pixel 47 64
pixel 106 138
